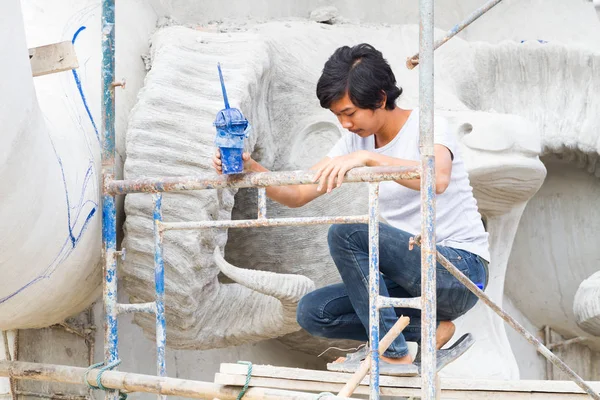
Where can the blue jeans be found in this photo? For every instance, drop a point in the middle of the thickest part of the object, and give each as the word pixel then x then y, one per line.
pixel 341 311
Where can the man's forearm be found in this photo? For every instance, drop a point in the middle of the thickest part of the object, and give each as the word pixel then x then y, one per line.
pixel 379 160
pixel 290 196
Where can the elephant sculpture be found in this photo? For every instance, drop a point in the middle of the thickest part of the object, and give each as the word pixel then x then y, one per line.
pixel 271 72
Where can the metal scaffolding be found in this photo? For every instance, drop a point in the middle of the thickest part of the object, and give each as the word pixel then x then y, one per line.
pixel 427 241
pixel 429 256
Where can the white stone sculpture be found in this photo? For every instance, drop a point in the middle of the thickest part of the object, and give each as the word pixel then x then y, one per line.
pixel 49 202
pixel 586 305
pixel 271 71
pixel 509 104
pixel 50 157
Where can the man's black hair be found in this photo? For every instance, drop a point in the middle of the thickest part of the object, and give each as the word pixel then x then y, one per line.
pixel 363 73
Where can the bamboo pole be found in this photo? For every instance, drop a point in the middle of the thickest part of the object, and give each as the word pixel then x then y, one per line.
pixel 387 340
pixel 145 383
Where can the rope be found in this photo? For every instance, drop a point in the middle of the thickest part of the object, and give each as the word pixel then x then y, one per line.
pixel 337 348
pixel 109 367
pixel 248 376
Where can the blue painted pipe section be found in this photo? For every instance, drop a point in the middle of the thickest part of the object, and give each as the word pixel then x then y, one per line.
pixel 109 229
pixel 109 234
pixel 159 279
pixel 374 286
pixel 108 75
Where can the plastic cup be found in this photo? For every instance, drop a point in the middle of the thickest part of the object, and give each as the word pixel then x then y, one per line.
pixel 231 160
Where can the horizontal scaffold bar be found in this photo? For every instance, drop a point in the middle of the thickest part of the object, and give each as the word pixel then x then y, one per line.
pixel 148 308
pixel 254 179
pixel 385 302
pixel 249 223
pixel 145 383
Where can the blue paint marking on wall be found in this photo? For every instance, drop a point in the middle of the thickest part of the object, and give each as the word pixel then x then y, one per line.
pixel 75 225
pixel 88 174
pixel 79 87
pixel 73 237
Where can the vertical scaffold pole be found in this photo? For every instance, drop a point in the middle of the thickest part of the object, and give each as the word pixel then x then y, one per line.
pixel 428 249
pixel 374 286
pixel 109 230
pixel 159 280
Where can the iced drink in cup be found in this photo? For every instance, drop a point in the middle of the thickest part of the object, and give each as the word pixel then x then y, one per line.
pixel 232 129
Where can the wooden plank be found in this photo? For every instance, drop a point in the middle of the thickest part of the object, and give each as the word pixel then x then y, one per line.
pixel 446 394
pixel 298 374
pixel 52 58
pixel 269 371
pixel 308 386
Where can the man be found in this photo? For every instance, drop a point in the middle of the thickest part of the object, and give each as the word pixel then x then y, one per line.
pixel 359 87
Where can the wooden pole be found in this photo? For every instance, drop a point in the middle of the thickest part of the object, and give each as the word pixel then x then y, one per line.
pixel 145 383
pixel 358 376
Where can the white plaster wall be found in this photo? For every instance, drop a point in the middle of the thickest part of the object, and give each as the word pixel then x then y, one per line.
pixel 48 198
pixel 51 157
pixel 55 21
pixel 50 153
pixel 510 20
pixel 531 363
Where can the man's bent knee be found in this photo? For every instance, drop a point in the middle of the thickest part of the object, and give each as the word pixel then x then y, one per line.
pixel 339 234
pixel 306 313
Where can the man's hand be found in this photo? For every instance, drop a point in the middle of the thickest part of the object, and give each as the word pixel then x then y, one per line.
pixel 332 173
pixel 249 163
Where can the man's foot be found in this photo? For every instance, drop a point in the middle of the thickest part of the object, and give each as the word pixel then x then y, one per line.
pixel 446 356
pixel 361 354
pixel 407 359
pixel 387 366
pixel 444 333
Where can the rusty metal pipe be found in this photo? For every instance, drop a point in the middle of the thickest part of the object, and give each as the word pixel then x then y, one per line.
pixel 252 223
pixel 159 285
pixel 374 289
pixel 262 203
pixel 255 179
pixel 543 350
pixel 575 340
pixel 385 302
pixel 146 383
pixel 430 383
pixel 146 308
pixel 109 213
pixel 413 61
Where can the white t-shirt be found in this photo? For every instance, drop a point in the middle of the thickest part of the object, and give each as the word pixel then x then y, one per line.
pixel 458 222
